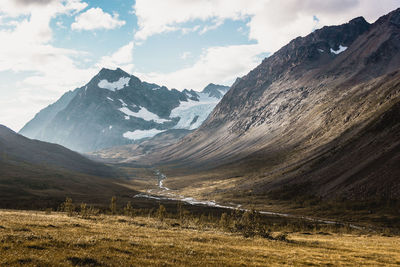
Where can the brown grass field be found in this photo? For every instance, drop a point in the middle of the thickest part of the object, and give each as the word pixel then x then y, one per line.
pixel 33 238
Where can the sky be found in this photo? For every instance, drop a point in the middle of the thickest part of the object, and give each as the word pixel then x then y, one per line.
pixel 48 47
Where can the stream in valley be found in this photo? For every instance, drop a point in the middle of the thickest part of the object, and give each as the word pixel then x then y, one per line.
pixel 165 193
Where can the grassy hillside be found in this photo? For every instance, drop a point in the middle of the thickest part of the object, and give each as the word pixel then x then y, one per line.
pixel 36 238
pixel 17 149
pixel 40 175
pixel 27 186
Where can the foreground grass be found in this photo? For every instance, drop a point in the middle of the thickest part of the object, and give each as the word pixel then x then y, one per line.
pixel 39 239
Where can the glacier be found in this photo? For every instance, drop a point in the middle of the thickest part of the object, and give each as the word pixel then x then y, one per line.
pixel 140 134
pixel 187 111
pixel 118 85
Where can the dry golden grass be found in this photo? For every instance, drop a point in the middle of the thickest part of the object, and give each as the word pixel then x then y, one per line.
pixel 39 239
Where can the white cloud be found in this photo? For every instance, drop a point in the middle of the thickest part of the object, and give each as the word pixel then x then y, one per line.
pixel 155 16
pixel 122 58
pixel 96 18
pixel 215 65
pixel 214 26
pixel 190 29
pixel 60 24
pixel 44 70
pixel 15 8
pixel 28 48
pixel 33 2
pixel 273 23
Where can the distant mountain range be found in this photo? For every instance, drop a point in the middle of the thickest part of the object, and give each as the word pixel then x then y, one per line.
pixel 37 174
pixel 320 117
pixel 116 108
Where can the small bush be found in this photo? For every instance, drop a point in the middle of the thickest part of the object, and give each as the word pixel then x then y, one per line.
pixel 180 211
pixel 128 210
pixel 92 211
pixel 113 205
pixel 249 224
pixel 86 212
pixel 161 212
pixel 68 206
pixel 83 211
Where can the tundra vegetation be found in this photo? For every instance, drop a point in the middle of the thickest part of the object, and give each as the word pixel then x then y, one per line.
pixel 179 234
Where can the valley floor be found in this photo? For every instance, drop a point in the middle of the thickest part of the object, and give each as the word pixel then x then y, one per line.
pixel 38 239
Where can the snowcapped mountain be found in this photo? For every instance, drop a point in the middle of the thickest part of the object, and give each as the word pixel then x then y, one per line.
pixel 116 108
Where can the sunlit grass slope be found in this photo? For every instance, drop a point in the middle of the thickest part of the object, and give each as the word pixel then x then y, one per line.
pixel 39 239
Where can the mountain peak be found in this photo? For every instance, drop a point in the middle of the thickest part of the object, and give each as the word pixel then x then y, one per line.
pixel 358 20
pixel 112 79
pixel 304 53
pixel 215 90
pixel 105 73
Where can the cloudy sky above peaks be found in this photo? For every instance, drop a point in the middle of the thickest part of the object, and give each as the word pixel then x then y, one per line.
pixel 48 47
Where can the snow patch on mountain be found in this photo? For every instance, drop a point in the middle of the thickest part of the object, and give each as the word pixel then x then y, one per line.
pixel 118 85
pixel 123 103
pixel 143 113
pixel 340 50
pixel 189 110
pixel 140 134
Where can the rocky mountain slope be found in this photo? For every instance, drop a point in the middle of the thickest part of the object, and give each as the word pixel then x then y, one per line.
pixel 116 108
pixel 320 117
pixel 36 174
